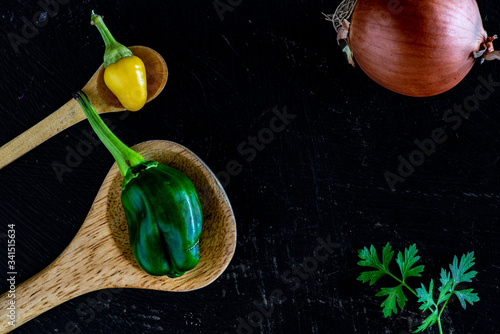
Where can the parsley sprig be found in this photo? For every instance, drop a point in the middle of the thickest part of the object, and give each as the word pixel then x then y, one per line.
pixel 459 273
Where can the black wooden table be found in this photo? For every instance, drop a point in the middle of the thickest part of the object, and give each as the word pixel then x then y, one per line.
pixel 300 140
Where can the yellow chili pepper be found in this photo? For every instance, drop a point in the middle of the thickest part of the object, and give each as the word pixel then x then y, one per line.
pixel 127 80
pixel 124 73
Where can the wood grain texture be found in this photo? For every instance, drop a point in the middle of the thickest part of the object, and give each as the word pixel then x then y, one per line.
pixel 100 257
pixel 101 97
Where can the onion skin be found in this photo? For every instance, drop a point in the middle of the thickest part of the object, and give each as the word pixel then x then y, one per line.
pixel 418 48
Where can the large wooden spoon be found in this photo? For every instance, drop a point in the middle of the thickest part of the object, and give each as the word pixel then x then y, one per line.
pixel 100 257
pixel 101 97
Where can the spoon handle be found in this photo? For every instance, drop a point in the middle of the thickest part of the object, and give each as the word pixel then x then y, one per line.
pixel 61 119
pixel 70 275
pixel 38 294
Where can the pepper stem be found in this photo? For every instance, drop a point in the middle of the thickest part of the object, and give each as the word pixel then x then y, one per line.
pixel 125 157
pixel 114 51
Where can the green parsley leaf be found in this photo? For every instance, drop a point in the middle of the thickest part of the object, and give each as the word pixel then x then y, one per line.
pixel 369 258
pixel 466 296
pixel 408 261
pixel 394 295
pixel 459 270
pixel 459 274
pixel 446 286
pixel 428 322
pixel 425 297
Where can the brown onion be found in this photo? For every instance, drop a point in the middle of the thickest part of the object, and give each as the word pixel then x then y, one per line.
pixel 417 47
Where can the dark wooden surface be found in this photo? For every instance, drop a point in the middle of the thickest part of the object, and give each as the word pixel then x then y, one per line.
pixel 320 174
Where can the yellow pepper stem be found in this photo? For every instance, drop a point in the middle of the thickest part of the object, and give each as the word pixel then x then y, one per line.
pixel 124 74
pixel 114 50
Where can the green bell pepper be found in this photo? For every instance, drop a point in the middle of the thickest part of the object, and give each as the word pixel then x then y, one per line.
pixel 162 207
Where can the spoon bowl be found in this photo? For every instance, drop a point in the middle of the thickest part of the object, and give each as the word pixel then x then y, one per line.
pixel 101 97
pixel 99 256
pixel 156 75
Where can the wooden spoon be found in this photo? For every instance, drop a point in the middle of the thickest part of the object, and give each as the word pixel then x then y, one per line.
pixel 99 256
pixel 101 97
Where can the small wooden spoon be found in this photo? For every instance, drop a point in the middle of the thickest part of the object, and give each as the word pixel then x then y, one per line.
pixel 101 97
pixel 99 256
